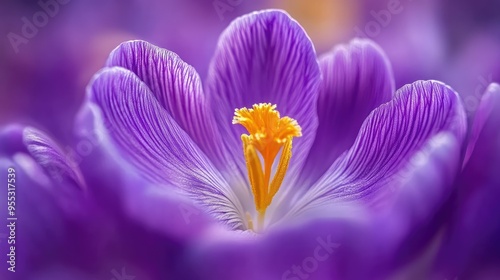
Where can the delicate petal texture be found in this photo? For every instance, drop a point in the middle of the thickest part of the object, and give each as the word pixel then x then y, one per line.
pixel 357 78
pixel 265 57
pixel 59 165
pixel 176 86
pixel 475 223
pixel 388 139
pixel 155 144
pixel 118 187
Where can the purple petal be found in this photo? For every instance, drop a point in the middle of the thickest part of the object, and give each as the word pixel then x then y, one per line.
pixel 59 165
pixel 426 182
pixel 320 249
pixel 265 57
pixel 471 243
pixel 44 210
pixel 388 145
pixel 154 144
pixel 411 220
pixel 176 86
pixel 53 242
pixel 357 78
pixel 119 189
pixel 484 111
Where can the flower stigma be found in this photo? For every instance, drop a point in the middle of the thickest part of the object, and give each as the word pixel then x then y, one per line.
pixel 268 135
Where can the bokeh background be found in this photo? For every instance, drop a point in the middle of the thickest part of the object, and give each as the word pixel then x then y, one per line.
pixel 43 78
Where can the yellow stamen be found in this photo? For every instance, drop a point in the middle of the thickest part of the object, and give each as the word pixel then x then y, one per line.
pixel 268 135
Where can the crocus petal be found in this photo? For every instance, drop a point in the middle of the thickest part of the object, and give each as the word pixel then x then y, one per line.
pixel 389 139
pixel 435 164
pixel 49 161
pixel 319 245
pixel 265 57
pixel 53 242
pixel 357 78
pixel 316 249
pixel 471 242
pixel 177 87
pixel 484 110
pixel 154 143
pixel 42 213
pixel 59 165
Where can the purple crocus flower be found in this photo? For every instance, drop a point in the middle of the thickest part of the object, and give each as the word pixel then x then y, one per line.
pixel 353 162
pixel 174 133
pixel 321 169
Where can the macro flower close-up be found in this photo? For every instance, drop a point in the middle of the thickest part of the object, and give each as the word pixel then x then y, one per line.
pixel 274 157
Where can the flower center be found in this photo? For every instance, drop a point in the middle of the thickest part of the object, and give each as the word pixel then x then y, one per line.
pixel 268 135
